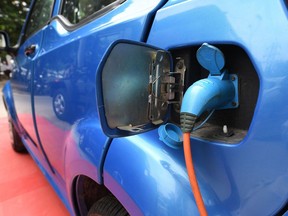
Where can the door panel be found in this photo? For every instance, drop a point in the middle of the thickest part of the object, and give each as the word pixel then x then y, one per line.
pixel 66 68
pixel 23 83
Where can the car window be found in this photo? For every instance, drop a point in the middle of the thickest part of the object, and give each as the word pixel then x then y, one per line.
pixel 77 10
pixel 39 16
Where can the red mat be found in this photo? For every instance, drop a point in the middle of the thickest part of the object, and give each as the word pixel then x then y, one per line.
pixel 23 188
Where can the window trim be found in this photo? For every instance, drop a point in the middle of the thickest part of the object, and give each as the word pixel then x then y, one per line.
pixel 71 27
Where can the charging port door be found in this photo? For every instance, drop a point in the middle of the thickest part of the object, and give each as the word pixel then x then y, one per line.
pixel 134 88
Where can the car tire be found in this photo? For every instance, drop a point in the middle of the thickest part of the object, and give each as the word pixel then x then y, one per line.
pixel 16 141
pixel 61 104
pixel 107 206
pixel 7 73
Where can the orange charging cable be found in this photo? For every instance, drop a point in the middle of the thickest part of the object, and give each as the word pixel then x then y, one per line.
pixel 192 176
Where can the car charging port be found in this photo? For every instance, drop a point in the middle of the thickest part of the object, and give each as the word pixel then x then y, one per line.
pixel 238 66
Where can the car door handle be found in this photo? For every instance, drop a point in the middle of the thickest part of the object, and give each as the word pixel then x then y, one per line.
pixel 30 50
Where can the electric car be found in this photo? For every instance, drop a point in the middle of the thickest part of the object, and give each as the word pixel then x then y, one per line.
pixel 113 98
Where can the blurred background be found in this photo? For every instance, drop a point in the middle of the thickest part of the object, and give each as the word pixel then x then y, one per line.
pixel 12 17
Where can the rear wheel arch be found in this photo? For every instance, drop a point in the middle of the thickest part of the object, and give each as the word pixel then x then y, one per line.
pixel 88 195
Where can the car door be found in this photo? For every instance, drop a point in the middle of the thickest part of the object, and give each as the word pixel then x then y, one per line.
pixel 73 45
pixel 22 78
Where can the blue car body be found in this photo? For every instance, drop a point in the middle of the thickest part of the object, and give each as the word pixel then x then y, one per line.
pixel 237 176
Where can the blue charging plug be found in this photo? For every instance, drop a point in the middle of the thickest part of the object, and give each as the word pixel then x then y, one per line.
pixel 218 91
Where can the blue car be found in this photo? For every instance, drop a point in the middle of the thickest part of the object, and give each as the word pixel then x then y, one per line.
pixel 112 98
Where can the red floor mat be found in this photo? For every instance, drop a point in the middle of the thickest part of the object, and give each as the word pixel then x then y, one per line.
pixel 23 188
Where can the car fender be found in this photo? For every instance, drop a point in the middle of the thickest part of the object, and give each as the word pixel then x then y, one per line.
pixel 85 148
pixel 142 171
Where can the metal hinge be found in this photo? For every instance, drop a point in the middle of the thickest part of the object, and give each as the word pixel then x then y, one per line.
pixel 165 87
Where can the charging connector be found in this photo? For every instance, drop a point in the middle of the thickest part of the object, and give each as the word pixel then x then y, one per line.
pixel 218 91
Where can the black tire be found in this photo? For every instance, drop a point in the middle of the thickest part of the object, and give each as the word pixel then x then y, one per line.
pixel 16 141
pixel 107 206
pixel 7 73
pixel 61 105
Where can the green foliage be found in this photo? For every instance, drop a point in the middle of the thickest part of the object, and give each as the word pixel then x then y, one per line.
pixel 12 17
